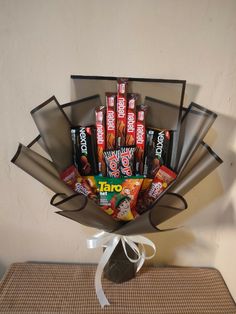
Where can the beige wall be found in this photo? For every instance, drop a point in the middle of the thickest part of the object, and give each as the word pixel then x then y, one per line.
pixel 43 42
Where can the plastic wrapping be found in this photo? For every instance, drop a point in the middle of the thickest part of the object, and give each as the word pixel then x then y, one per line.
pixel 50 153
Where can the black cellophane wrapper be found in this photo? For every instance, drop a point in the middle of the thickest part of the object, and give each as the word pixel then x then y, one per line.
pixel 192 159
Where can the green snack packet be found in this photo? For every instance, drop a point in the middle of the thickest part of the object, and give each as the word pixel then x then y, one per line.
pixel 118 196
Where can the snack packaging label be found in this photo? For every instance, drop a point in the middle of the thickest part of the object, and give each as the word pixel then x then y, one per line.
pixel 127 161
pixel 131 120
pixel 77 183
pixel 158 150
pixel 101 139
pixel 140 140
pixel 75 143
pixel 112 159
pixel 118 197
pixel 86 150
pixel 121 112
pixel 162 179
pixel 110 120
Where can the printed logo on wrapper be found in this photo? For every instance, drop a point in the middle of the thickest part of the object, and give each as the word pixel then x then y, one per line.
pixel 110 120
pixel 127 161
pixel 100 135
pixel 118 197
pixel 131 122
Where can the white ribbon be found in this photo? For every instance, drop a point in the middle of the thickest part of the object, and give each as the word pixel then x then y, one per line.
pixel 110 241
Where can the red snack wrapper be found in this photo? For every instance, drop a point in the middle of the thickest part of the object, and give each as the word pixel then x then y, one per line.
pixel 101 139
pixel 127 161
pixel 112 159
pixel 121 111
pixel 163 178
pixel 131 120
pixel 111 120
pixel 140 139
pixel 77 183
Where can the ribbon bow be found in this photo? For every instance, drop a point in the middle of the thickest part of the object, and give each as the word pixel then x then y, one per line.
pixel 110 241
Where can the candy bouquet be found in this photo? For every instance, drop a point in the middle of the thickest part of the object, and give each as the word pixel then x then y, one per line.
pixel 120 159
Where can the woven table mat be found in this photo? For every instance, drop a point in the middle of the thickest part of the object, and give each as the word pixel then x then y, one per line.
pixel 69 288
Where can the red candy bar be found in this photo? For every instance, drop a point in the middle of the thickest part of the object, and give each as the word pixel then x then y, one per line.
pixel 131 120
pixel 122 85
pixel 111 120
pixel 140 139
pixel 101 138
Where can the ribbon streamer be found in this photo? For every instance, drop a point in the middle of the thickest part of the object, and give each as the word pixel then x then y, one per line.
pixel 110 241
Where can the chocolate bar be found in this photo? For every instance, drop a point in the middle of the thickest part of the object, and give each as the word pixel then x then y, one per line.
pixel 140 139
pixel 73 179
pixel 162 179
pixel 110 121
pixel 131 120
pixel 101 139
pixel 158 150
pixel 74 138
pixel 112 159
pixel 127 161
pixel 121 111
pixel 85 150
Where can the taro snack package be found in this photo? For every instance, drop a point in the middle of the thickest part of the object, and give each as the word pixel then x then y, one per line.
pixel 127 161
pixel 140 139
pixel 101 138
pixel 112 159
pixel 110 120
pixel 158 150
pixel 118 197
pixel 131 120
pixel 85 149
pixel 121 112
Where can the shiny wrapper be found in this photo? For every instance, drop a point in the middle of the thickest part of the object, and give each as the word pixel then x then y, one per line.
pixel 110 121
pixel 121 112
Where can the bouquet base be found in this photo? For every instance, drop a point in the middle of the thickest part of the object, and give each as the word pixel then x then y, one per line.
pixel 119 269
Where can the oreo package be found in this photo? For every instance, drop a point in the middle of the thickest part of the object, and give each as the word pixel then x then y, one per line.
pixel 85 150
pixel 158 150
